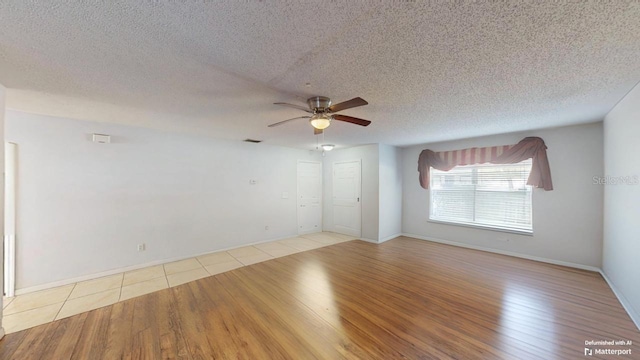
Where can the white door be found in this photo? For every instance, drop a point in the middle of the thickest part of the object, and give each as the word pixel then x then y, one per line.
pixel 346 198
pixel 309 197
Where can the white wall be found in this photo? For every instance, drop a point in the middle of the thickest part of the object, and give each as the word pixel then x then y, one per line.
pixel 370 179
pixel 83 207
pixel 3 92
pixel 622 201
pixel 390 193
pixel 567 222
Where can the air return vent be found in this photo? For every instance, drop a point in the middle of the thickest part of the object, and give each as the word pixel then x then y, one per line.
pixel 252 141
pixel 101 138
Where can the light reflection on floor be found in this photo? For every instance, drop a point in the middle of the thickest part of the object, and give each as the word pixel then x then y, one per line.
pixel 527 317
pixel 314 287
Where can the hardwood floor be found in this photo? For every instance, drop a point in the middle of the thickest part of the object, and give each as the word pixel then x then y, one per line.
pixel 405 298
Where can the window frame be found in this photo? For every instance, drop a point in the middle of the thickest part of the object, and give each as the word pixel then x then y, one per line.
pixel 480 226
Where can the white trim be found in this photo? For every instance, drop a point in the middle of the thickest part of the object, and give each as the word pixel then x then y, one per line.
pixel 389 238
pixel 132 267
pixel 9 238
pixel 626 305
pixel 503 252
pixel 1 333
pixel 635 317
pixel 482 227
pixel 369 240
pixel 9 265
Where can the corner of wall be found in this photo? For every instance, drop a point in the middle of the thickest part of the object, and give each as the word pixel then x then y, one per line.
pixel 2 112
pixel 635 316
pixel 621 182
pixel 390 192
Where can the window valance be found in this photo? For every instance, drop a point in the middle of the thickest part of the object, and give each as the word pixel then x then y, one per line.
pixel 528 148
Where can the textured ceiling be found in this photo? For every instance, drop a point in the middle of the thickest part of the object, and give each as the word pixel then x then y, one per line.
pixel 430 71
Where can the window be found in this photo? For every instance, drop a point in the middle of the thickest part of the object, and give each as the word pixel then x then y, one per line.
pixel 485 195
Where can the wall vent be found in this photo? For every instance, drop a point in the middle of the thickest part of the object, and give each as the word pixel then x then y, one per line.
pixel 101 138
pixel 252 141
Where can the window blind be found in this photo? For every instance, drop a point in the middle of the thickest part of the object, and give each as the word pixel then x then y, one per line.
pixel 486 195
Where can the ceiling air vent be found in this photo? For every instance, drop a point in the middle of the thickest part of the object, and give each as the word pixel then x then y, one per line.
pixel 252 141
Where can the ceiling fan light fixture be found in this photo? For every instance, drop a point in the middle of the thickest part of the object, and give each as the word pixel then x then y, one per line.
pixel 320 121
pixel 327 147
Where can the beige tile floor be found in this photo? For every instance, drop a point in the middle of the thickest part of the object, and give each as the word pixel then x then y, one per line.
pixel 36 308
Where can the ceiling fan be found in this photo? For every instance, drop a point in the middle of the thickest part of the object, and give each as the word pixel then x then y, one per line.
pixel 322 112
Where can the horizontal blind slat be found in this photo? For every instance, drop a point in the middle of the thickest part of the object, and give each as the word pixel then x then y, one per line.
pixel 485 194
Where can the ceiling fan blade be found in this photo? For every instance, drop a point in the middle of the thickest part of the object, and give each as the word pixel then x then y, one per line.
pixel 299 107
pixel 351 119
pixel 355 102
pixel 317 131
pixel 284 121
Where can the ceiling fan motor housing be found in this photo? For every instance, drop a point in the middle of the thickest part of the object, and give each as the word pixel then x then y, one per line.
pixel 319 104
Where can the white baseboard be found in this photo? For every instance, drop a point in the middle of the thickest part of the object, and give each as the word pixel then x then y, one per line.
pixel 635 317
pixel 303 234
pixel 1 333
pixel 381 240
pixel 623 301
pixel 389 238
pixel 504 252
pixel 131 268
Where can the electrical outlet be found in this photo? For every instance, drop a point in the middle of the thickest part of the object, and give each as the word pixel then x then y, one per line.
pixel 266 227
pixel 141 247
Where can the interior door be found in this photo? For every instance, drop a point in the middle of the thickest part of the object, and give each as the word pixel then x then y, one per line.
pixel 309 197
pixel 346 198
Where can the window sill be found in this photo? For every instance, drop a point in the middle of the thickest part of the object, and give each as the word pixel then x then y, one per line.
pixel 483 227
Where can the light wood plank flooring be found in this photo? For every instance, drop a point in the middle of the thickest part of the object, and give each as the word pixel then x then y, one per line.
pixel 404 299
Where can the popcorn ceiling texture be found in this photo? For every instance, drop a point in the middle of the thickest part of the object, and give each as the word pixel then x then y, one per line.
pixel 431 71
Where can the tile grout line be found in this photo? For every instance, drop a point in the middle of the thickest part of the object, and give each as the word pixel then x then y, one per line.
pixel 4 306
pixel 166 279
pixel 263 252
pixel 287 246
pixel 121 286
pixel 87 295
pixel 235 258
pixel 279 244
pixel 184 271
pixel 65 301
pixel 204 267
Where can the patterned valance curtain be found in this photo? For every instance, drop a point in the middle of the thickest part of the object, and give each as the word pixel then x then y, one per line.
pixel 528 148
